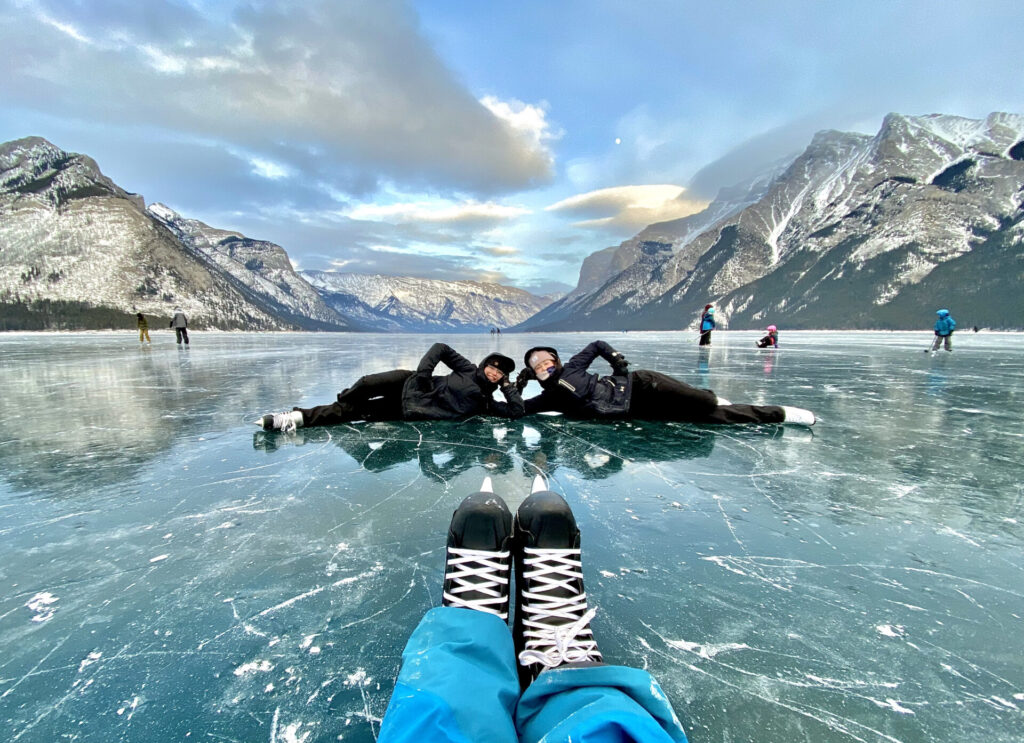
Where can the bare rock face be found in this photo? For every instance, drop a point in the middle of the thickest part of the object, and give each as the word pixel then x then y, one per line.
pixel 857 232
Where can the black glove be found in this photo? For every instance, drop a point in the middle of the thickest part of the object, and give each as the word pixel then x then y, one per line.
pixel 620 365
pixel 525 375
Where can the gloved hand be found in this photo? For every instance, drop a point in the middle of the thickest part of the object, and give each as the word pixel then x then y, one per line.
pixel 620 365
pixel 524 376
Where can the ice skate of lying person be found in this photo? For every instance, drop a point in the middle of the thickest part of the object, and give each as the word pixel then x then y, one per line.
pixel 401 394
pixel 575 391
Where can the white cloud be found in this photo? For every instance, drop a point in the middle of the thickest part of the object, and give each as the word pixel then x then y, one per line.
pixel 268 169
pixel 349 93
pixel 525 118
pixel 437 212
pixel 629 207
pixel 65 28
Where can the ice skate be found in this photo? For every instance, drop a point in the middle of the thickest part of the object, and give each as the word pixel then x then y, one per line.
pixel 552 622
pixel 478 562
pixel 283 422
pixel 798 416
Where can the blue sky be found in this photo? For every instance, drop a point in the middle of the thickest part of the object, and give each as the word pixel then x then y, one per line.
pixel 498 141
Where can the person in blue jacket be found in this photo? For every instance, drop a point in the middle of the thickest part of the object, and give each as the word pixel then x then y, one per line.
pixel 466 678
pixel 576 392
pixel 707 324
pixel 944 328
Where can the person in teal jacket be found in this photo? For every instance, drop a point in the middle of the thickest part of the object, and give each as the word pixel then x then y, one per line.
pixel 944 328
pixel 707 324
pixel 465 678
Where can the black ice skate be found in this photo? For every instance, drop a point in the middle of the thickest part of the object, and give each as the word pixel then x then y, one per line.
pixel 478 564
pixel 552 622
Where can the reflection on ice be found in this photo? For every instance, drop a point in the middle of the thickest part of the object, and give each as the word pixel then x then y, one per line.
pixel 171 574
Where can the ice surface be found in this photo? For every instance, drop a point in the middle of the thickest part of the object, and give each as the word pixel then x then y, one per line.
pixel 171 573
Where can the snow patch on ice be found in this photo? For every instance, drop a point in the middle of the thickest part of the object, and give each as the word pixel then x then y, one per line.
pixel 358 678
pixel 707 651
pixel 891 630
pixel 89 660
pixel 894 705
pixel 255 666
pixel 43 606
pixel 159 558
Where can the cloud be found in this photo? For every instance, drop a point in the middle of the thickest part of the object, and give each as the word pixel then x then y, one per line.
pixel 629 207
pixel 500 251
pixel 437 212
pixel 354 89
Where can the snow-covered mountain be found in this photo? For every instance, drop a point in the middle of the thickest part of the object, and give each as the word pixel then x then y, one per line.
pixel 262 267
pixel 87 251
pixel 858 231
pixel 81 251
pixel 395 303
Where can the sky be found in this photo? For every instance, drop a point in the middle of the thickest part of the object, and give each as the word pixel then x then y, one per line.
pixel 493 141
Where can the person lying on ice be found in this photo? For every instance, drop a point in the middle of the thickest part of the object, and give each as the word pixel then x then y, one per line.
pixel 401 394
pixel 576 392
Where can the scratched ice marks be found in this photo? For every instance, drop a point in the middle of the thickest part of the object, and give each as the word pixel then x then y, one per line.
pixel 170 573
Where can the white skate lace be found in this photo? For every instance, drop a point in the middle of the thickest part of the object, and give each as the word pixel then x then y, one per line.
pixel 556 629
pixel 285 422
pixel 479 571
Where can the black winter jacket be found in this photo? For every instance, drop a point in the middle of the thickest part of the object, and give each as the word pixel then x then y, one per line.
pixel 464 392
pixel 578 393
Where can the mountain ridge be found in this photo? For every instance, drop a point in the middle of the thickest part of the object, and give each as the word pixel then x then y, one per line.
pixel 843 237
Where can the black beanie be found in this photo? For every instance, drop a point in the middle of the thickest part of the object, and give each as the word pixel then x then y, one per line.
pixel 504 363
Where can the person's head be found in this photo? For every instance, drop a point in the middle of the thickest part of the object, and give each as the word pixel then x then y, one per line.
pixel 138 315
pixel 942 313
pixel 707 307
pixel 495 367
pixel 772 329
pixel 543 360
pixel 711 310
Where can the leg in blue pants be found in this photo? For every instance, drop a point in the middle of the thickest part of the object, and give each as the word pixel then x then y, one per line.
pixel 459 683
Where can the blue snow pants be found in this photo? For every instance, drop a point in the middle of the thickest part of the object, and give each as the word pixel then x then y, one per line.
pixel 459 684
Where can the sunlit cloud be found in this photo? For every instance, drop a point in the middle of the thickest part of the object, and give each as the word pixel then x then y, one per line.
pixel 437 212
pixel 500 251
pixel 525 118
pixel 630 207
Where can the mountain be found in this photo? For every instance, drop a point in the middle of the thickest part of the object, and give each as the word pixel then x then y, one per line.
pixel 856 232
pixel 392 303
pixel 263 268
pixel 81 252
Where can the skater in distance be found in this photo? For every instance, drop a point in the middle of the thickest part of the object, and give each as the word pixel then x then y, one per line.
pixel 944 328
pixel 466 678
pixel 572 389
pixel 401 394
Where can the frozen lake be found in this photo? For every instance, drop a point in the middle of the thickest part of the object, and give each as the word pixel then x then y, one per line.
pixel 171 573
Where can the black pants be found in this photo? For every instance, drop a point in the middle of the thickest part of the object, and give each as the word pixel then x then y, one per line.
pixel 375 397
pixel 180 333
pixel 657 396
pixel 705 338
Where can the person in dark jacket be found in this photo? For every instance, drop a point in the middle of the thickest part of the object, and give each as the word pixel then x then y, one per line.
pixel 180 324
pixel 771 340
pixel 575 391
pixel 944 328
pixel 707 324
pixel 401 394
